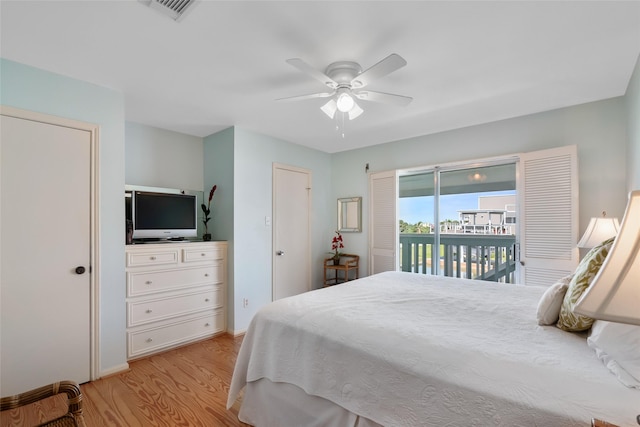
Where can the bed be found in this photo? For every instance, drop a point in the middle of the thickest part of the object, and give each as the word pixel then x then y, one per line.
pixel 403 349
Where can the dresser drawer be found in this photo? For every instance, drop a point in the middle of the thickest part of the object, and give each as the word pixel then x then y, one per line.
pixel 139 259
pixel 153 339
pixel 148 282
pixel 153 309
pixel 202 254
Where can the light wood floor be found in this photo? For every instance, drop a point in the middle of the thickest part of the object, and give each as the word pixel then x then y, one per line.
pixel 187 386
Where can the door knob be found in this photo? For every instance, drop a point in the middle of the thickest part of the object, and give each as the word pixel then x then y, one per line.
pixel 80 270
pixel 280 253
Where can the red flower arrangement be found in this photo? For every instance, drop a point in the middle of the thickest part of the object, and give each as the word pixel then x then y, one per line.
pixel 336 245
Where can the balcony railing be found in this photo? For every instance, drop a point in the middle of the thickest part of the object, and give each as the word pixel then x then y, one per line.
pixel 478 256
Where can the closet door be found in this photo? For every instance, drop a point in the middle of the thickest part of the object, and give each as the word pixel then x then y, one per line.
pixel 383 222
pixel 291 231
pixel 548 215
pixel 45 254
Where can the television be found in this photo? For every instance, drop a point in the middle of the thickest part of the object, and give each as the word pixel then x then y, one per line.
pixel 159 215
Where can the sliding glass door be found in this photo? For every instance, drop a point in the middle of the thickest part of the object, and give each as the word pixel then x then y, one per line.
pixel 459 221
pixel 463 220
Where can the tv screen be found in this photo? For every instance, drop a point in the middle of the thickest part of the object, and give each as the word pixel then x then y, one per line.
pixel 163 215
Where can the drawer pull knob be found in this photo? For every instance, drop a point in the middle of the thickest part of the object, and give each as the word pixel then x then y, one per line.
pixel 206 324
pixel 148 282
pixel 149 311
pixel 152 258
pixel 203 254
pixel 206 274
pixel 206 300
pixel 149 339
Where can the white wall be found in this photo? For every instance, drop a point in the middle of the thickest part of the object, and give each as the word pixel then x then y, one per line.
pixel 32 89
pixel 162 158
pixel 632 99
pixel 598 129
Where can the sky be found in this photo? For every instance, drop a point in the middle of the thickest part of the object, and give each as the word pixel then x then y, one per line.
pixel 416 209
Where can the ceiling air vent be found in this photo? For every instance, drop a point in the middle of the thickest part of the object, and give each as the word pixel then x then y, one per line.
pixel 173 8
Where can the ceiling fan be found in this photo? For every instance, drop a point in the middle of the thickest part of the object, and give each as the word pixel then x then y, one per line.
pixel 347 81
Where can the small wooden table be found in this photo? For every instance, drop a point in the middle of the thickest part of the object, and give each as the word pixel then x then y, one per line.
pixel 348 263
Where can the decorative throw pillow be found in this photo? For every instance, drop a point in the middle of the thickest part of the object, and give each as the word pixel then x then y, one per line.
pixel 618 346
pixel 549 304
pixel 584 274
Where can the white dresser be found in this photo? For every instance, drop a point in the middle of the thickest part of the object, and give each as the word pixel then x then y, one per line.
pixel 176 293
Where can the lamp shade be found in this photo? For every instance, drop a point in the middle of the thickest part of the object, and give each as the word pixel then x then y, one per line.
pixel 599 230
pixel 614 293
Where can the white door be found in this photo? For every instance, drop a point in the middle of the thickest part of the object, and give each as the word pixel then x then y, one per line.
pixel 291 231
pixel 45 183
pixel 383 220
pixel 548 193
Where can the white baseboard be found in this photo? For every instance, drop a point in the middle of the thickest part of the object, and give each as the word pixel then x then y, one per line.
pixel 114 370
pixel 237 333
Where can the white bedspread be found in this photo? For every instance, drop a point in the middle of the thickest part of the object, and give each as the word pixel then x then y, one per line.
pixel 408 349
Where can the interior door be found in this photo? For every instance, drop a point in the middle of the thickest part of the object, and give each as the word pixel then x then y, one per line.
pixel 45 209
pixel 291 231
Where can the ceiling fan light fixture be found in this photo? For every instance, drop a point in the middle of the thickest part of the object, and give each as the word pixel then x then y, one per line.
pixel 344 100
pixel 343 77
pixel 330 108
pixel 355 112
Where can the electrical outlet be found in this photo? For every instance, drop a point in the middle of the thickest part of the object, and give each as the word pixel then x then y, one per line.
pixel 245 302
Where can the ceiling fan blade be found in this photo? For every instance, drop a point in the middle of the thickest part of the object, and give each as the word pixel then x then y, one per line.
pixel 355 112
pixel 312 72
pixel 309 96
pixel 330 108
pixel 388 98
pixel 381 69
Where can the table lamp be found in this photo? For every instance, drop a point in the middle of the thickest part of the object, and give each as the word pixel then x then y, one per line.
pixel 599 230
pixel 614 293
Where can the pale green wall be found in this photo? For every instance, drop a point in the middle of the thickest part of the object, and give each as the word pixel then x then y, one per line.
pixel 240 162
pixel 32 89
pixel 219 170
pixel 253 158
pixel 632 99
pixel 598 129
pixel 162 158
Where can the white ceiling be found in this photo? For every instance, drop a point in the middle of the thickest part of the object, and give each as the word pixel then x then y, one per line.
pixel 224 64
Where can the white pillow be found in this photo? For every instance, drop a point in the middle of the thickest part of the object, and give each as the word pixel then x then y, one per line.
pixel 551 301
pixel 618 346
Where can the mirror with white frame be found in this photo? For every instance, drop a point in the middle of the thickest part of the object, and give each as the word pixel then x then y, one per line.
pixel 350 215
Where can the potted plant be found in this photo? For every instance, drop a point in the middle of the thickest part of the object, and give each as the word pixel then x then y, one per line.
pixel 336 245
pixel 206 209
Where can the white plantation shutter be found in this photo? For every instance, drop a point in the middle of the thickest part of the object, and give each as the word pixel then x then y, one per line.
pixel 549 215
pixel 383 235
